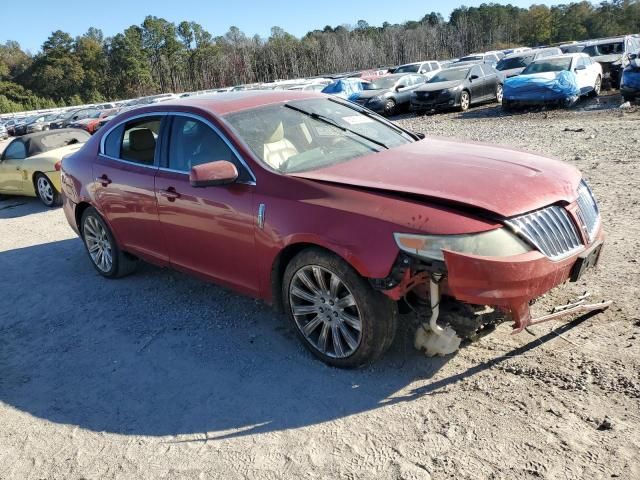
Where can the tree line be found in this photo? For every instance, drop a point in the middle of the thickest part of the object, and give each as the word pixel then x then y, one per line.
pixel 160 56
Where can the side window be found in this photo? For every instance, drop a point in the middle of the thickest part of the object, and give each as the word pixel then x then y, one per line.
pixel 487 70
pixel 15 151
pixel 476 71
pixel 434 65
pixel 139 139
pixel 112 142
pixel 193 143
pixel 426 68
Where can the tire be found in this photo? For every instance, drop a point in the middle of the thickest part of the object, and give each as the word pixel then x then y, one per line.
pixel 507 105
pixel 597 86
pixel 465 101
pixel 46 192
pixel 389 107
pixel 348 323
pixel 626 98
pixel 107 258
pixel 499 92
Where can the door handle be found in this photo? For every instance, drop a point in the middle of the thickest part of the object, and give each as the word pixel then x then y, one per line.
pixel 170 194
pixel 104 180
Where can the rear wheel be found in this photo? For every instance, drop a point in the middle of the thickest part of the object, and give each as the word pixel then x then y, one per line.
pixel 106 256
pixel 338 315
pixel 465 101
pixel 47 193
pixel 499 93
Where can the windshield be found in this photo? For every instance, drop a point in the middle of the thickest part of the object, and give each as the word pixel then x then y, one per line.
pixel 515 62
pixel 381 83
pixel 407 69
pixel 471 58
pixel 312 134
pixel 615 48
pixel 553 65
pixel 450 75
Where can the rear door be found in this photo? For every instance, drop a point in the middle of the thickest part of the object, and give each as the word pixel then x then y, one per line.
pixel 209 231
pixel 124 175
pixel 491 81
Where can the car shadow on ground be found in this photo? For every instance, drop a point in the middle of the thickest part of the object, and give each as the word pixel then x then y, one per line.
pixel 14 207
pixel 158 353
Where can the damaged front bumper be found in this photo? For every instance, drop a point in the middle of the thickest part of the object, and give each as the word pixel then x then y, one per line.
pixel 509 284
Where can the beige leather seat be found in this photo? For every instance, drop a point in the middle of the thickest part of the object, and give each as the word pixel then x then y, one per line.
pixel 278 149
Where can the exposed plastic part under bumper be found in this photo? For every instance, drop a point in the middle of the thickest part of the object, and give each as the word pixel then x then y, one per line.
pixel 511 283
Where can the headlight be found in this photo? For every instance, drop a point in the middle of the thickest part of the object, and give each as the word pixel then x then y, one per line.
pixel 455 89
pixel 494 243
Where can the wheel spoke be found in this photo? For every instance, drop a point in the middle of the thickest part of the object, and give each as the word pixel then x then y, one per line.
pixel 337 341
pixel 320 280
pixel 334 285
pixel 94 248
pixel 322 340
pixel 346 334
pixel 347 301
pixel 304 278
pixel 311 326
pixel 350 320
pixel 298 292
pixel 305 309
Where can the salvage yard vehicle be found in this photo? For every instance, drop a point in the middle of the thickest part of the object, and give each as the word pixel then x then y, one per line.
pixel 558 80
pixel 513 64
pixel 613 55
pixel 389 94
pixel 458 87
pixel 630 83
pixel 30 165
pixel 428 69
pixel 328 211
pixel 73 116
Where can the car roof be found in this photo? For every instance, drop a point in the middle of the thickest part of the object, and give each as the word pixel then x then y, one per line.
pixel 228 102
pixel 605 40
pixel 529 52
pixel 564 55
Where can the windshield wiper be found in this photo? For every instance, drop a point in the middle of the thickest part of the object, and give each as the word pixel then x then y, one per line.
pixel 330 121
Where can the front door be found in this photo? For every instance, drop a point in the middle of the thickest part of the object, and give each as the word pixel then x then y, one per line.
pixel 209 231
pixel 124 176
pixel 477 85
pixel 12 179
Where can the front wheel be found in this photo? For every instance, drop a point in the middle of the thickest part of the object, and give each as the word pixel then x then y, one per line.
pixel 106 256
pixel 499 93
pixel 465 101
pixel 389 107
pixel 47 193
pixel 337 314
pixel 597 86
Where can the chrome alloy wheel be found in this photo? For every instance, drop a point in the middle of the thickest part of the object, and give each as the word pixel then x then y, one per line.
pixel 45 190
pixel 325 311
pixel 98 244
pixel 499 93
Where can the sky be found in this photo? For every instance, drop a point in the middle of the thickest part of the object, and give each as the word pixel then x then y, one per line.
pixel 30 23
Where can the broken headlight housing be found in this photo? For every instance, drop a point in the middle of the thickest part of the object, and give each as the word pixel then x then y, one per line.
pixel 495 243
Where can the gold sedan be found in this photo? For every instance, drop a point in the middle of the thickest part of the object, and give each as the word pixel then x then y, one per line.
pixel 30 165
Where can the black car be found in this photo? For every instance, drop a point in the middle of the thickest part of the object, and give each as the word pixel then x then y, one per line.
pixel 73 116
pixel 458 87
pixel 389 94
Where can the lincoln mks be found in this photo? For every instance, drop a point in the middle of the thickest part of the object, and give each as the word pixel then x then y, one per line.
pixel 330 213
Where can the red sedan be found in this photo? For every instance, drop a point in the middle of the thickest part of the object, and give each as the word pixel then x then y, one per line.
pixel 330 212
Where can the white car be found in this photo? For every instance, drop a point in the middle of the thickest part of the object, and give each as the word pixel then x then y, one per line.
pixel 428 68
pixel 588 73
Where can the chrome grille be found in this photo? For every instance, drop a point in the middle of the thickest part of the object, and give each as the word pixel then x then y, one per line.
pixel 588 210
pixel 550 230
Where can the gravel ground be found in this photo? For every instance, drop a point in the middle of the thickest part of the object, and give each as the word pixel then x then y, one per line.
pixel 161 376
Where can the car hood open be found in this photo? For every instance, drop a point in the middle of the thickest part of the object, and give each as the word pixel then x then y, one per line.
pixel 503 181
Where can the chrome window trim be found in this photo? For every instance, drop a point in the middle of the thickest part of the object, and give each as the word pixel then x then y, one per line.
pixel 224 138
pixel 140 115
pixel 127 162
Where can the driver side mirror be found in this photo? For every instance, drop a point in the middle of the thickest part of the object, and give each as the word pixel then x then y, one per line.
pixel 400 87
pixel 221 172
pixel 580 67
pixel 473 77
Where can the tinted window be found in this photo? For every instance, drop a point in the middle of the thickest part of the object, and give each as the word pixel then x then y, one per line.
pixel 487 69
pixel 15 151
pixel 476 71
pixel 193 143
pixel 139 140
pixel 407 69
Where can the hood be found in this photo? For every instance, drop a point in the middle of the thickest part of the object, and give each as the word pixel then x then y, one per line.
pixel 607 58
pixel 495 179
pixel 372 93
pixel 435 86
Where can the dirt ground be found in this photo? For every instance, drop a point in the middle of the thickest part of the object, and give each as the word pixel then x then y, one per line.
pixel 161 376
